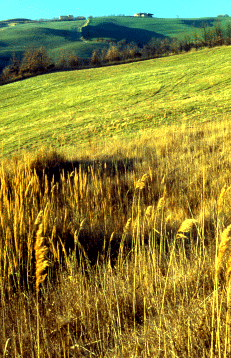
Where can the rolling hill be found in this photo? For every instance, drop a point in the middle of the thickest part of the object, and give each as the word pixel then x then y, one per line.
pixel 142 30
pixel 118 102
pixel 17 35
pixel 55 36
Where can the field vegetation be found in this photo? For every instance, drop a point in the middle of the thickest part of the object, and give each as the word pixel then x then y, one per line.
pixel 115 210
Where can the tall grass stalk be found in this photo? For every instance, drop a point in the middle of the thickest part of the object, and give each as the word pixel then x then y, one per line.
pixel 41 264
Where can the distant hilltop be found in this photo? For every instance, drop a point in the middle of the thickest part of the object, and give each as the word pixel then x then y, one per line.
pixel 16 20
pixel 143 14
pixel 71 17
pixel 22 20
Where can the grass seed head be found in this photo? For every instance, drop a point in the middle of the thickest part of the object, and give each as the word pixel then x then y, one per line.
pixel 39 218
pixel 83 224
pixel 221 198
pixel 127 226
pixel 187 225
pixel 40 257
pixel 142 182
pixel 149 211
pixel 224 248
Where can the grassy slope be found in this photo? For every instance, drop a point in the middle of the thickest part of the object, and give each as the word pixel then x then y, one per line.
pixel 115 102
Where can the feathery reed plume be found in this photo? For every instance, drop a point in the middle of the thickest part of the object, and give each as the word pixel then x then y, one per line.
pixel 127 226
pixel 161 202
pixel 144 177
pixel 149 211
pixel 187 225
pixel 82 224
pixel 53 188
pixel 77 243
pixel 221 198
pixel 40 254
pixel 224 248
pixel 112 236
pixel 81 227
pixel 228 266
pixel 28 186
pixel 168 219
pixel 39 218
pixel 142 182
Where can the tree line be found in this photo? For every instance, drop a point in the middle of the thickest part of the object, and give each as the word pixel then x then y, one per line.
pixel 37 61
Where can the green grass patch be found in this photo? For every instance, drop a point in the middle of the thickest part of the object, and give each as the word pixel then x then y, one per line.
pixel 117 102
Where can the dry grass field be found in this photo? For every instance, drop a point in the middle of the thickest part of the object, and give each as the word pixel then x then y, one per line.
pixel 123 252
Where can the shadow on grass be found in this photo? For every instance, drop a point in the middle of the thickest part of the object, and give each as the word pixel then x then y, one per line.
pixel 199 23
pixel 3 44
pixel 70 35
pixel 54 165
pixel 118 33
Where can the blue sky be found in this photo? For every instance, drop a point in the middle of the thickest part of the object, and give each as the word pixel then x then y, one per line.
pixel 48 9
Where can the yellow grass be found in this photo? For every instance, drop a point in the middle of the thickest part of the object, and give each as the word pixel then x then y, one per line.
pixel 128 290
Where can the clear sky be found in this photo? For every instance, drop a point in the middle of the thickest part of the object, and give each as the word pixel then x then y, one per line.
pixel 48 9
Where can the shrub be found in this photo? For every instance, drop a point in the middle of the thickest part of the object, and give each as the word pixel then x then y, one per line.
pixel 74 61
pixel 174 47
pixel 164 46
pixel 35 61
pixel 103 55
pixel 12 70
pixel 219 35
pixel 113 54
pixel 131 51
pixel 95 60
pixel 228 33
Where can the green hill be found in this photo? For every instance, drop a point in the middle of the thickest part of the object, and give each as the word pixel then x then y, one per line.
pixel 55 36
pixel 120 102
pixel 143 29
pixel 17 35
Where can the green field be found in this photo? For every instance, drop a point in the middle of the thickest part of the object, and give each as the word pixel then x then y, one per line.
pixel 66 36
pixel 144 29
pixel 117 102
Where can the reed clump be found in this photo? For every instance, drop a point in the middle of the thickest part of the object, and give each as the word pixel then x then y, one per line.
pixel 89 249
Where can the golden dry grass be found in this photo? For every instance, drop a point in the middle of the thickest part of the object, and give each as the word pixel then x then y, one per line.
pixel 118 283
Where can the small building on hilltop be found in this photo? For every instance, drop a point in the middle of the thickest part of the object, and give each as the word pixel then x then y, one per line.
pixel 68 17
pixel 143 14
